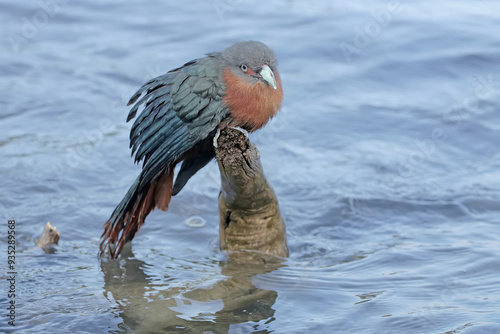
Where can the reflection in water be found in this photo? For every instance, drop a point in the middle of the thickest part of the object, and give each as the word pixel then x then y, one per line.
pixel 386 168
pixel 147 306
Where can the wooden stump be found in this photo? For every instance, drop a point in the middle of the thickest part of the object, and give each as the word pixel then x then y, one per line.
pixel 49 237
pixel 249 213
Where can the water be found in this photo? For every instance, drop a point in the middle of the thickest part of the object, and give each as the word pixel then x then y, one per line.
pixel 385 160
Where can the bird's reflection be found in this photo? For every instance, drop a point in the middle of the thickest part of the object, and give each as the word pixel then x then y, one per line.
pixel 232 305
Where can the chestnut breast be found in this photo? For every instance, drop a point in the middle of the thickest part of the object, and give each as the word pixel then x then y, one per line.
pixel 252 106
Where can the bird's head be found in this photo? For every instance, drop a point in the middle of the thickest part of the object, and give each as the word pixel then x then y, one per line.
pixel 253 89
pixel 253 62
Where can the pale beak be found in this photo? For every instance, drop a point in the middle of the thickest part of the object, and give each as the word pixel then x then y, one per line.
pixel 268 76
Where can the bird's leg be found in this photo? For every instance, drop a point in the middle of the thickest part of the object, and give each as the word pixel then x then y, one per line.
pixel 216 137
pixel 245 132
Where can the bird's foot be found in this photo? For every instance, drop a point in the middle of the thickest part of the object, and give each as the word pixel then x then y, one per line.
pixel 245 132
pixel 217 134
pixel 216 137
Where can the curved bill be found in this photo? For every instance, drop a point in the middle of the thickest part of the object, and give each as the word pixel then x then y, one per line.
pixel 268 76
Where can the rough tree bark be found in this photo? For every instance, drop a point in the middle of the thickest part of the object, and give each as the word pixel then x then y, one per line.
pixel 249 213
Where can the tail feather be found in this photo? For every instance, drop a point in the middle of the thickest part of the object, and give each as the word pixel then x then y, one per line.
pixel 130 214
pixel 163 191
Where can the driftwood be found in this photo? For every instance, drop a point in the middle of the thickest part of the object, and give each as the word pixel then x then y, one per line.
pixel 249 213
pixel 49 237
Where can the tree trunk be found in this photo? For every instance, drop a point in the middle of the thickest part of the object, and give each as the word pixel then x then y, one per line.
pixel 249 213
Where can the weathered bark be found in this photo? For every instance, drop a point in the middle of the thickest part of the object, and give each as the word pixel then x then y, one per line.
pixel 249 213
pixel 49 237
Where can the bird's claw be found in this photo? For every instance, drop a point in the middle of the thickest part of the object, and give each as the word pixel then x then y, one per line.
pixel 217 134
pixel 245 132
pixel 216 137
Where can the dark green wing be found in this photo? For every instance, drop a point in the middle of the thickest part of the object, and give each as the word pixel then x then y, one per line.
pixel 181 108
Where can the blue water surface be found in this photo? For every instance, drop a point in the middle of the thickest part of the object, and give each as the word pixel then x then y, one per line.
pixel 385 159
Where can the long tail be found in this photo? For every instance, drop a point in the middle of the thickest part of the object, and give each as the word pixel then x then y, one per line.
pixel 130 214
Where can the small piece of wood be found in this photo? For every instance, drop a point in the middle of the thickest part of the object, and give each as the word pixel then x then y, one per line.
pixel 49 237
pixel 249 213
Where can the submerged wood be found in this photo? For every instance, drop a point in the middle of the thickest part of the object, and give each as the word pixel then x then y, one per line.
pixel 249 213
pixel 49 237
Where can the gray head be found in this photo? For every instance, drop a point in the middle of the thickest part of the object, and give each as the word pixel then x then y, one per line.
pixel 251 60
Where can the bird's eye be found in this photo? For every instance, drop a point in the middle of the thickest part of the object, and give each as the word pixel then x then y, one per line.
pixel 244 68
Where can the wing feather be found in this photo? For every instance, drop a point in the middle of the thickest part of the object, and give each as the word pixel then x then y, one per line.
pixel 156 113
pixel 153 101
pixel 169 151
pixel 156 139
pixel 181 108
pixel 152 123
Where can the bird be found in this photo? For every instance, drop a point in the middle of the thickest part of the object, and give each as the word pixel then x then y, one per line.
pixel 180 114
